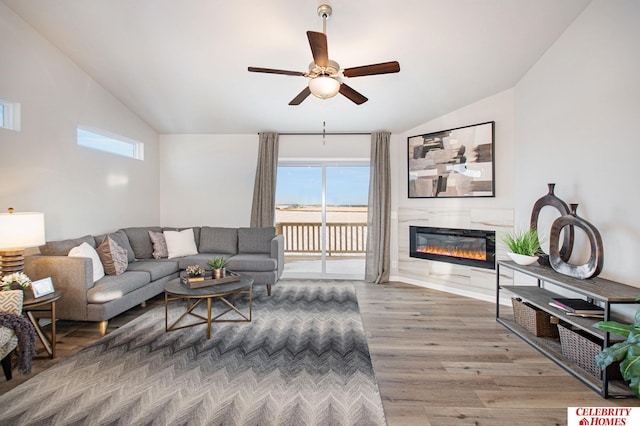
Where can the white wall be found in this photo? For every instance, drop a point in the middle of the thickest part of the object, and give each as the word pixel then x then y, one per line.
pixel 194 168
pixel 577 125
pixel 492 213
pixel 80 190
pixel 314 147
pixel 207 179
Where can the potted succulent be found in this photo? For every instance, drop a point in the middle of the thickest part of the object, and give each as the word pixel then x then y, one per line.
pixel 218 264
pixel 524 246
pixel 626 352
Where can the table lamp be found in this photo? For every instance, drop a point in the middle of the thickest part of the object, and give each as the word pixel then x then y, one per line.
pixel 17 232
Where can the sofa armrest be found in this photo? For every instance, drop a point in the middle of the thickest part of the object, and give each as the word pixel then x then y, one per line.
pixel 277 252
pixel 72 276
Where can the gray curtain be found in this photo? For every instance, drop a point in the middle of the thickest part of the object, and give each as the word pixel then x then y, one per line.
pixel 378 219
pixel 264 188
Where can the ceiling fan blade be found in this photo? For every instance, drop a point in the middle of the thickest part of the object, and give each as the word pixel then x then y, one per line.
pixel 383 68
pixel 301 96
pixel 319 49
pixel 272 71
pixel 354 96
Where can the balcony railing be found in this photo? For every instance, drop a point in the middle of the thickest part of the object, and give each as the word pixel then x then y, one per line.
pixel 306 238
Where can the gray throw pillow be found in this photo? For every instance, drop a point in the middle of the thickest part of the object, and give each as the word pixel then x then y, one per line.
pixel 112 256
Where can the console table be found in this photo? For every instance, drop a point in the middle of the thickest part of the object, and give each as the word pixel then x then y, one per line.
pixel 601 291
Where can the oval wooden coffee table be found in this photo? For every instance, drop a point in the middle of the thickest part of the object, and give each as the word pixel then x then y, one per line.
pixel 176 290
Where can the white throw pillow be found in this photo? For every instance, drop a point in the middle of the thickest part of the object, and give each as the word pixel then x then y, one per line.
pixel 85 250
pixel 180 243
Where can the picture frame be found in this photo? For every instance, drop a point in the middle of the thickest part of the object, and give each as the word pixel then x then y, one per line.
pixel 42 287
pixel 452 163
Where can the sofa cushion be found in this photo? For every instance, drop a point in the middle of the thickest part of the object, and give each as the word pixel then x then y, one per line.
pixel 120 237
pixel 113 257
pixel 201 259
pixel 156 268
pixel 159 245
pixel 252 262
pixel 218 240
pixel 113 287
pixel 62 247
pixel 140 241
pixel 255 240
pixel 180 243
pixel 85 250
pixel 196 232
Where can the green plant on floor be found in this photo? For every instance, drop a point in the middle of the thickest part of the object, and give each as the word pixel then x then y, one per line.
pixel 218 262
pixel 523 242
pixel 626 352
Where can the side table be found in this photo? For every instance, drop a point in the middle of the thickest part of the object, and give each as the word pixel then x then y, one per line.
pixel 45 303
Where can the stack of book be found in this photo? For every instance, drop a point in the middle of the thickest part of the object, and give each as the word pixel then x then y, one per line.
pixel 578 307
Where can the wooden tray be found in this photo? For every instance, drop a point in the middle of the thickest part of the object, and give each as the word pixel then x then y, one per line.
pixel 229 277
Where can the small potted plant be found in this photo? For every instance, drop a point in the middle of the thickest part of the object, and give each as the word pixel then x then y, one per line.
pixel 524 246
pixel 218 264
pixel 626 352
pixel 195 271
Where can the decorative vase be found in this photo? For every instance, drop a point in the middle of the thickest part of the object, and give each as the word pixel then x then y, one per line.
pixel 550 200
pixel 15 286
pixel 218 273
pixel 593 267
pixel 522 259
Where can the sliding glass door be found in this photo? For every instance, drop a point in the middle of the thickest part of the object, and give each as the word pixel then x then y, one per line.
pixel 321 209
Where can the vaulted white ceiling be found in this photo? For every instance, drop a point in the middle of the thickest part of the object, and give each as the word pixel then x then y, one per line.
pixel 181 65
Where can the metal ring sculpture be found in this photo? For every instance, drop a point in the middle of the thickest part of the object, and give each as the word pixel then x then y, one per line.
pixel 596 258
pixel 551 200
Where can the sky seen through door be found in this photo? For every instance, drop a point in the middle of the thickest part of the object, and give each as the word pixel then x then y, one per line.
pixel 346 186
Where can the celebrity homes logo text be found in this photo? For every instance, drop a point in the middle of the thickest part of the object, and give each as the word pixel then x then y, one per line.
pixel 603 416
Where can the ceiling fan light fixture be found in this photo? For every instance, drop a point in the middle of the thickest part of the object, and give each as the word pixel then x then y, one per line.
pixel 324 87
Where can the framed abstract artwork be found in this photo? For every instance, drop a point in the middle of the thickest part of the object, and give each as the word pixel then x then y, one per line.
pixel 452 163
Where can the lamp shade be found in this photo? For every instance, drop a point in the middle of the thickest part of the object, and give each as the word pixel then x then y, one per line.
pixel 21 230
pixel 324 87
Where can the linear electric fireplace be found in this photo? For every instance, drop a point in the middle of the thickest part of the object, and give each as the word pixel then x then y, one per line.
pixel 471 247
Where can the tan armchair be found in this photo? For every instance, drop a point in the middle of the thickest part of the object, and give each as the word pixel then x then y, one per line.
pixel 10 301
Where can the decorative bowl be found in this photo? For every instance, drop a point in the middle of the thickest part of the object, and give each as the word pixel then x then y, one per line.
pixel 522 259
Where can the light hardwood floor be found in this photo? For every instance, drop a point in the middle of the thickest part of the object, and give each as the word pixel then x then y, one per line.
pixel 440 359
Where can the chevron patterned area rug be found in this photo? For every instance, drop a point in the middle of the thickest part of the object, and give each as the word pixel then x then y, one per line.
pixel 303 360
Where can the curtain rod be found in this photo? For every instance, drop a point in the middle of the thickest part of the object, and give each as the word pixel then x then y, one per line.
pixel 320 134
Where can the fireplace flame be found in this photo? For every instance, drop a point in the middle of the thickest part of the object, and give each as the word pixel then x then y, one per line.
pixel 444 251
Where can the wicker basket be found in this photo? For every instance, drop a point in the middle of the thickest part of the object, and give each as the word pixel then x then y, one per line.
pixel 580 349
pixel 533 319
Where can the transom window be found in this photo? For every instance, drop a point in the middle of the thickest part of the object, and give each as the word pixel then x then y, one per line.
pixel 9 115
pixel 114 144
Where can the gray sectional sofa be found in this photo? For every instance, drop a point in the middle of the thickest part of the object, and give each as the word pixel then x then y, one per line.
pixel 256 252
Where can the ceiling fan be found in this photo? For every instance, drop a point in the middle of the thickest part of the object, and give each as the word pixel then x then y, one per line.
pixel 325 75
